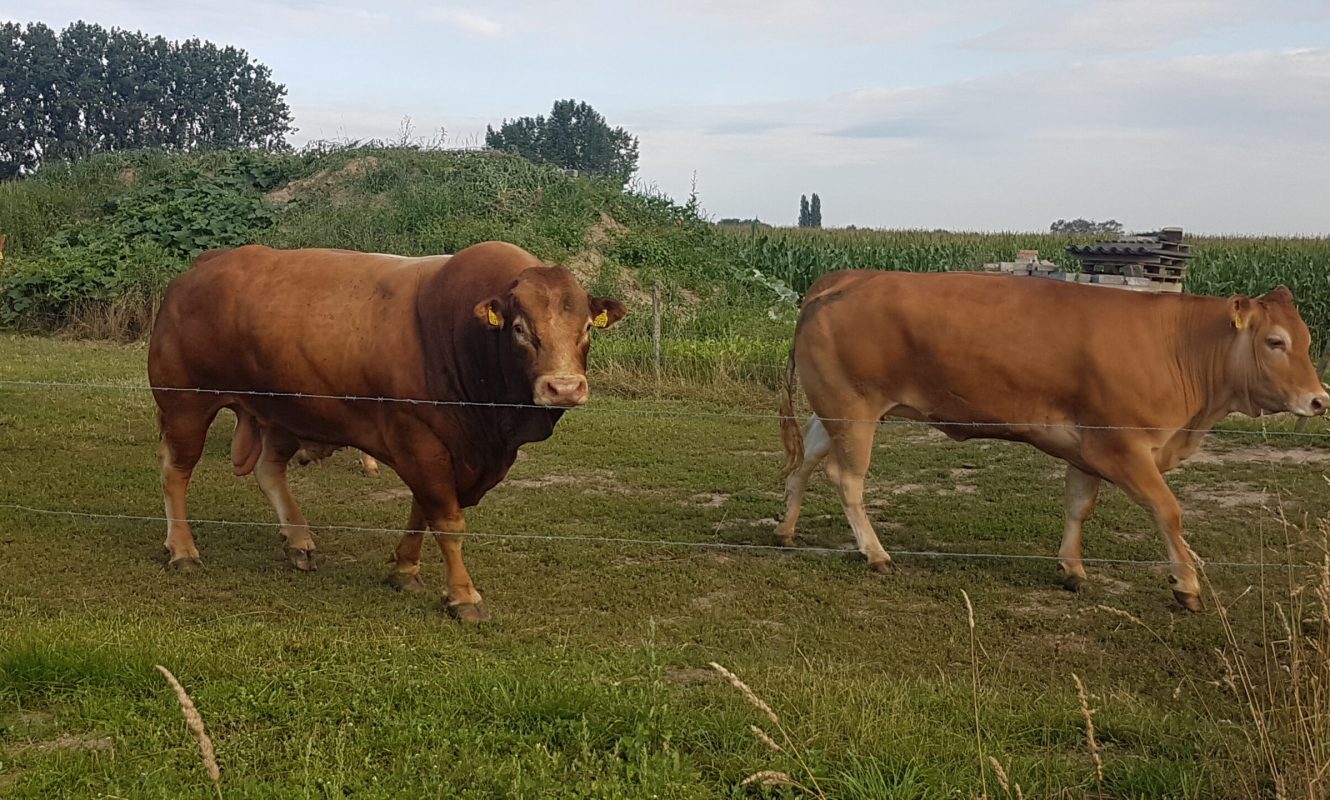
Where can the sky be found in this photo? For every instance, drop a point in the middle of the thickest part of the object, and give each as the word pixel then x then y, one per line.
pixel 1213 115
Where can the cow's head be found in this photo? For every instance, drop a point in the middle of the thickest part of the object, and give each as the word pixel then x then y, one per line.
pixel 547 317
pixel 1273 355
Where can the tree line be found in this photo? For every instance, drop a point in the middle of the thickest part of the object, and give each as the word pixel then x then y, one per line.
pixel 86 89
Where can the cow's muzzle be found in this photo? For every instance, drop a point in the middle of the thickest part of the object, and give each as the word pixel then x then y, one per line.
pixel 1312 404
pixel 562 391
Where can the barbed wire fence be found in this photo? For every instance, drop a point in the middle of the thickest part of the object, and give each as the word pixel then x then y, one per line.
pixel 622 540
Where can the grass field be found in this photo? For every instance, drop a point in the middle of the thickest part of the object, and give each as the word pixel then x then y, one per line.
pixel 592 680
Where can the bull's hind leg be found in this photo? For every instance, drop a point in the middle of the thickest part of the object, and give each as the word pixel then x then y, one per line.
pixel 816 446
pixel 1082 490
pixel 851 452
pixel 278 448
pixel 183 431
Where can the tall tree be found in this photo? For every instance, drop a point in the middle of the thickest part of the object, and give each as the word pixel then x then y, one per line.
pixel 88 89
pixel 805 213
pixel 815 212
pixel 573 136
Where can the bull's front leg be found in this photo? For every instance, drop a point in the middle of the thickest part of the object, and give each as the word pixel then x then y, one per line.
pixel 1136 473
pixel 428 472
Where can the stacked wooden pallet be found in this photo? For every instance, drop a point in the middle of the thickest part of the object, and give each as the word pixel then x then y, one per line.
pixel 1159 258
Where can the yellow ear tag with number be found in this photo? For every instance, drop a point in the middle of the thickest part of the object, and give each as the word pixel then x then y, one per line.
pixel 602 319
pixel 493 318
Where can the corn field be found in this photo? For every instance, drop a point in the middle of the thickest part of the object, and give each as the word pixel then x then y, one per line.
pixel 1222 266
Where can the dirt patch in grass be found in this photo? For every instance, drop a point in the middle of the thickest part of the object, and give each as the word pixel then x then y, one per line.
pixel 66 743
pixel 1261 454
pixel 596 482
pixel 321 180
pixel 709 499
pixel 690 676
pixel 1230 495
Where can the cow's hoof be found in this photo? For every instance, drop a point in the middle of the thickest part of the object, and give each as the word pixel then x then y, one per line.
pixel 408 582
pixel 303 560
pixel 1189 601
pixel 882 567
pixel 468 612
pixel 185 564
pixel 784 538
pixel 1073 583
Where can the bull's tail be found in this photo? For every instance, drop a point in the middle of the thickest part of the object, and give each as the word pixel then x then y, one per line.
pixel 246 443
pixel 790 436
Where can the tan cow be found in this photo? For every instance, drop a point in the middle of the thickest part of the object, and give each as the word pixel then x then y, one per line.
pixel 1123 386
pixel 489 346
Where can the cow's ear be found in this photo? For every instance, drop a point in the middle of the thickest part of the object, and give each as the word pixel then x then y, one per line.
pixel 1280 294
pixel 490 312
pixel 605 311
pixel 1240 311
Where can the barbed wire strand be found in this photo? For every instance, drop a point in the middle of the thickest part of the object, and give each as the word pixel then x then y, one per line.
pixel 653 412
pixel 659 543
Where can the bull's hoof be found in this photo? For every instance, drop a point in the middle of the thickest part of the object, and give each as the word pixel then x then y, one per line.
pixel 1189 601
pixel 784 538
pixel 1073 583
pixel 882 567
pixel 185 564
pixel 468 612
pixel 303 560
pixel 408 582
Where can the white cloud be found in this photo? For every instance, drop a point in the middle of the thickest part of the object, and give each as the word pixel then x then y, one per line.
pixel 467 21
pixel 1108 26
pixel 1231 143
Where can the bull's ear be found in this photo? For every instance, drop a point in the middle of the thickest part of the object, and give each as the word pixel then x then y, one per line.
pixel 605 311
pixel 1240 310
pixel 490 312
pixel 1280 294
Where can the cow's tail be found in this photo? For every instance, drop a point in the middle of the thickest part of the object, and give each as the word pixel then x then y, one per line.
pixel 790 436
pixel 246 443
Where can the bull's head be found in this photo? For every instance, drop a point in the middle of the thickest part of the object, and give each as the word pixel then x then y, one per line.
pixel 548 317
pixel 1272 355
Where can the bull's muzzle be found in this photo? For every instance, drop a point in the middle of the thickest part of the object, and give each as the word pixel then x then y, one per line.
pixel 563 391
pixel 1312 404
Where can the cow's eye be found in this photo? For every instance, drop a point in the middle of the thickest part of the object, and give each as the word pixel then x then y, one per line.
pixel 1276 343
pixel 519 328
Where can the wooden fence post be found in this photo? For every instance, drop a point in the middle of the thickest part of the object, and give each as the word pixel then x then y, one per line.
pixel 655 329
pixel 1320 373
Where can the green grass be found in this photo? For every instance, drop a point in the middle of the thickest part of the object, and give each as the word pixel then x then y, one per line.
pixel 591 679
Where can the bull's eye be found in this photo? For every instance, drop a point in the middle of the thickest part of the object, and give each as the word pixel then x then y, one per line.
pixel 1276 343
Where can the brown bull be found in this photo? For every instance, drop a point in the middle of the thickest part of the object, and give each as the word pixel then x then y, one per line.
pixel 1120 385
pixel 493 341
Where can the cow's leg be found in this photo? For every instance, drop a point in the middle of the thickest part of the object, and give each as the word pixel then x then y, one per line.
pixel 851 451
pixel 816 446
pixel 278 448
pixel 426 466
pixel 405 576
pixel 183 434
pixel 1082 490
pixel 1138 476
pixel 464 601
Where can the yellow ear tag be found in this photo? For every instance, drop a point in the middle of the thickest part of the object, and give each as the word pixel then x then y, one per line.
pixel 602 319
pixel 494 318
pixel 1238 323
